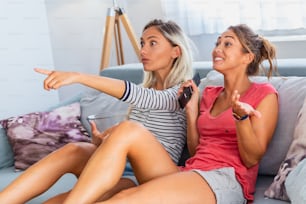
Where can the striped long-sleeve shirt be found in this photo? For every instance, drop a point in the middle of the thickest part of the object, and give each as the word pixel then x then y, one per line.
pixel 159 111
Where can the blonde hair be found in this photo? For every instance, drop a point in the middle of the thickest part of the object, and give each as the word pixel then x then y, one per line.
pixel 182 66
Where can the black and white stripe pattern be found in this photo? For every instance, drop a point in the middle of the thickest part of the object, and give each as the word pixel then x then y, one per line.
pixel 159 111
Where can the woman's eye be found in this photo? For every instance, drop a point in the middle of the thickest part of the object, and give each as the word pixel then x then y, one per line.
pixel 216 44
pixel 152 43
pixel 227 44
pixel 141 44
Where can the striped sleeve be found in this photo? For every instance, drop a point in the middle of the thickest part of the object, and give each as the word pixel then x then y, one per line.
pixel 148 98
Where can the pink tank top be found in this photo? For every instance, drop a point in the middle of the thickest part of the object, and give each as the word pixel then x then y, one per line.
pixel 218 142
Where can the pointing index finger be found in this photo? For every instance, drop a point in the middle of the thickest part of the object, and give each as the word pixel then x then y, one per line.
pixel 42 71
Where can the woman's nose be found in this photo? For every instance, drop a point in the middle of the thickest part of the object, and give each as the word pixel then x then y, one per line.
pixel 217 49
pixel 143 51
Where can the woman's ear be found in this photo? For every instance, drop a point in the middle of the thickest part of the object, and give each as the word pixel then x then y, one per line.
pixel 176 52
pixel 249 57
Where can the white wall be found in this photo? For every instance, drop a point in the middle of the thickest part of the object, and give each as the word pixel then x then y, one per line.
pixel 68 35
pixel 24 44
pixel 77 31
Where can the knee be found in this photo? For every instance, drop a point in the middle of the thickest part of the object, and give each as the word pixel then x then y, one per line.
pixel 130 130
pixel 78 150
pixel 77 155
pixel 71 147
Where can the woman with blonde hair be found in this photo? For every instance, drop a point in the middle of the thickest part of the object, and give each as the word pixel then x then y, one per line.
pixel 167 61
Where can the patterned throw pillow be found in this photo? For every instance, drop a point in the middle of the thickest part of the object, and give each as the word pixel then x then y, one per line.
pixel 295 154
pixel 35 135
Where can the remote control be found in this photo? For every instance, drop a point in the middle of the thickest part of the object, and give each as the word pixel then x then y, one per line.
pixel 187 92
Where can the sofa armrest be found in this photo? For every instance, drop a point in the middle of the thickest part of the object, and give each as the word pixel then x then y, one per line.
pixel 129 72
pixel 6 152
pixel 134 72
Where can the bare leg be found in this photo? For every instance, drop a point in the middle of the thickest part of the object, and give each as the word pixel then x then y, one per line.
pixel 121 185
pixel 42 175
pixel 103 171
pixel 178 188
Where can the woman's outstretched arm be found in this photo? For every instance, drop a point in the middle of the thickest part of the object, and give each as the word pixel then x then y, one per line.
pixel 57 79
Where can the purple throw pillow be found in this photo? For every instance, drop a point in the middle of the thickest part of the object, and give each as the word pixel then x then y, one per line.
pixel 37 134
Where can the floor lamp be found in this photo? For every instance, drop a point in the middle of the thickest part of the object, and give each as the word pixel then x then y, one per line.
pixel 112 27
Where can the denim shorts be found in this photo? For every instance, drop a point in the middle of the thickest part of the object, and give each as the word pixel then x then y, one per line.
pixel 128 173
pixel 224 184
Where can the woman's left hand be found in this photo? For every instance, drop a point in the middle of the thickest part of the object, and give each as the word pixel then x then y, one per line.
pixel 242 108
pixel 194 100
pixel 97 136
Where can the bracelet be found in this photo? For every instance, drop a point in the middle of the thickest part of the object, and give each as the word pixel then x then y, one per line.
pixel 240 118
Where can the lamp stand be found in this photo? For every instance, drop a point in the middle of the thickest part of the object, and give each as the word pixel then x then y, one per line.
pixel 112 27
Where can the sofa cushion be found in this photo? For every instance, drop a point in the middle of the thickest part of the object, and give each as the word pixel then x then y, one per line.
pixel 6 152
pixel 292 92
pixel 296 153
pixel 37 134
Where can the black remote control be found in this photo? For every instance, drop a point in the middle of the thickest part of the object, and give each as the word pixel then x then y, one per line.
pixel 187 92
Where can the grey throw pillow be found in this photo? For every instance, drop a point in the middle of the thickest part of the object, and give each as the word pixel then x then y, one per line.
pixel 97 103
pixel 295 183
pixel 292 92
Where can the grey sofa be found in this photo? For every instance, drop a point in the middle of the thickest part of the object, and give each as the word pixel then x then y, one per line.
pixel 293 69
